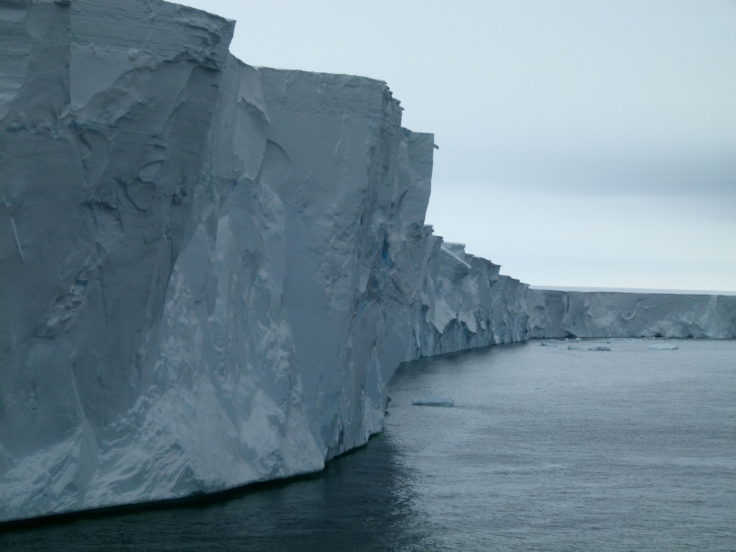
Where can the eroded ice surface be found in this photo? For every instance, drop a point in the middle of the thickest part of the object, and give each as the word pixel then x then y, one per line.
pixel 211 271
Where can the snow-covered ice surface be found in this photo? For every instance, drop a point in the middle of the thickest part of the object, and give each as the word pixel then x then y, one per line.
pixel 211 271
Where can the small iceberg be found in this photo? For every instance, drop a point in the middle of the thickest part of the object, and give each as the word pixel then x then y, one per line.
pixel 664 347
pixel 433 401
pixel 600 348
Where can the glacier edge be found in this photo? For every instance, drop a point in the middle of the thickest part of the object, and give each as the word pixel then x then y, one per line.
pixel 210 271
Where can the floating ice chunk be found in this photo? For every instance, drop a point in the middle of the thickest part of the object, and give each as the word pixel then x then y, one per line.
pixel 664 347
pixel 434 401
pixel 599 348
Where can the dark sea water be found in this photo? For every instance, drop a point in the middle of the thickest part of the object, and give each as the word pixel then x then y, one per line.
pixel 545 449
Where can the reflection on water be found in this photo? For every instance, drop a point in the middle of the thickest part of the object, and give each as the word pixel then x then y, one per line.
pixel 546 449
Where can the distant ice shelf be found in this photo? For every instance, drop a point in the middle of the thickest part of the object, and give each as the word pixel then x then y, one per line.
pixel 211 271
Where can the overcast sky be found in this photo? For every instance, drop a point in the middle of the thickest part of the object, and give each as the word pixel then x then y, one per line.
pixel 582 142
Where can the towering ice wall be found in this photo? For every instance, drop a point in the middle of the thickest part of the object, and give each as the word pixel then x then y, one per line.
pixel 209 272
pixel 106 108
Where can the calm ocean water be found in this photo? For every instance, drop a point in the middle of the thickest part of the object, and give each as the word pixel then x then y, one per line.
pixel 546 448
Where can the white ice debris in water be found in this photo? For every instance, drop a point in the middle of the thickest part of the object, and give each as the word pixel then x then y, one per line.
pixel 243 262
pixel 664 347
pixel 434 401
pixel 596 348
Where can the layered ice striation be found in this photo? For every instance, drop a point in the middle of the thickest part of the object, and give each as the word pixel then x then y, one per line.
pixel 209 272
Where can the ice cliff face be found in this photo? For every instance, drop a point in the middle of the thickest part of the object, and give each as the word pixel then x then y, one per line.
pixel 209 272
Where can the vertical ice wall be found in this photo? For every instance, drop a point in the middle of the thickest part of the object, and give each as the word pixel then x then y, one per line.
pixel 209 272
pixel 106 108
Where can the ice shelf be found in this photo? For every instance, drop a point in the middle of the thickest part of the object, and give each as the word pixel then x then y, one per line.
pixel 209 272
